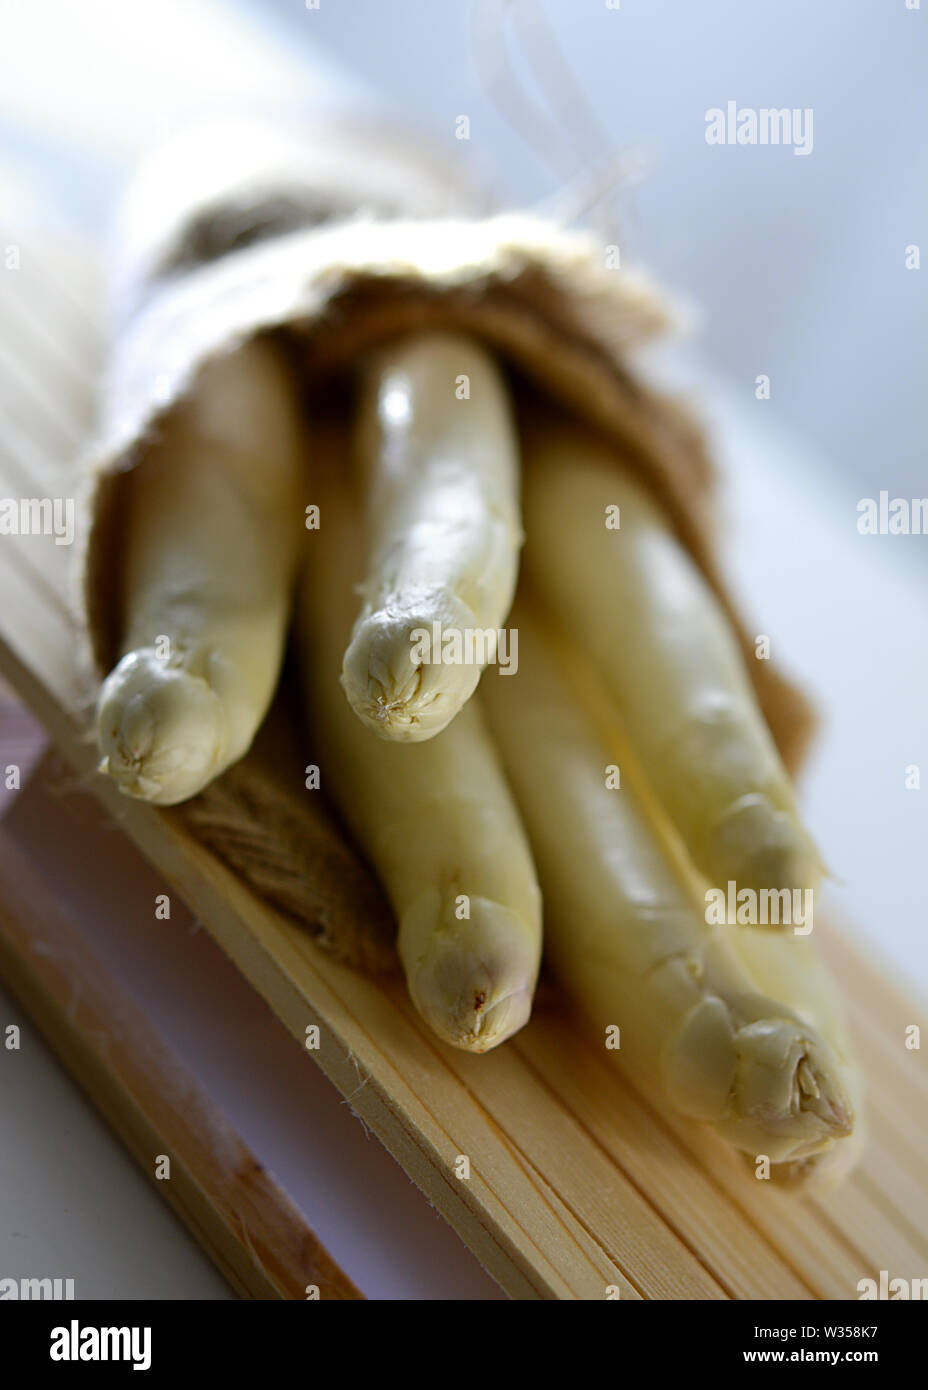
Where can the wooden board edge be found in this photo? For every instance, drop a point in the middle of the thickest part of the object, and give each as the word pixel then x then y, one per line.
pixel 235 1209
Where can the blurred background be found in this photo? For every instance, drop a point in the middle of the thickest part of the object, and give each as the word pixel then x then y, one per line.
pixel 797 264
pixel 793 267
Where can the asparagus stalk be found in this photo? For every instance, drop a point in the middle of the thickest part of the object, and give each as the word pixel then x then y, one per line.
pixel 638 604
pixel 630 944
pixel 211 544
pixel 439 470
pixel 791 970
pixel 436 819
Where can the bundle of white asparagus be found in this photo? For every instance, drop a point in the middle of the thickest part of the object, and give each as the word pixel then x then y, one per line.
pixel 628 671
pixel 600 734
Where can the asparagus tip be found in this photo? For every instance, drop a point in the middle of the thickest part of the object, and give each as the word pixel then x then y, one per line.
pixel 393 690
pixel 759 847
pixel 159 729
pixel 473 983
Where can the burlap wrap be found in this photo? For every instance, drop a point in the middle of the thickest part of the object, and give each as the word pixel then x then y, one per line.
pixel 336 238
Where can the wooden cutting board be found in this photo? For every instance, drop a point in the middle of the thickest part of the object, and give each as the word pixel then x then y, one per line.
pixel 576 1184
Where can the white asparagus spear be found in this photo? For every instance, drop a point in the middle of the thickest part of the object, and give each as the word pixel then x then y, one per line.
pixel 439 465
pixel 636 601
pixel 436 820
pixel 631 944
pixel 790 968
pixel 211 542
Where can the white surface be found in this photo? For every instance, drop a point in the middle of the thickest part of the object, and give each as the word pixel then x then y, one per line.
pixel 85 87
pixel 73 1204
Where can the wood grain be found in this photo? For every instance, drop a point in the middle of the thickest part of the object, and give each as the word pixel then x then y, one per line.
pixel 235 1209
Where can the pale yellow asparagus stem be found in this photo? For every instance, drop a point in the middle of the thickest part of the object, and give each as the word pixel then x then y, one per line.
pixel 636 601
pixel 630 943
pixel 436 819
pixel 211 542
pixel 791 969
pixel 439 464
